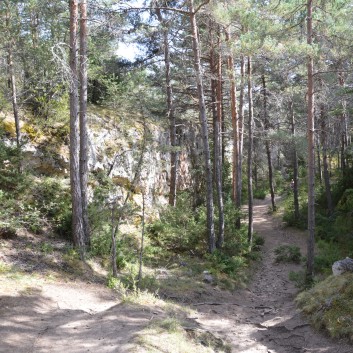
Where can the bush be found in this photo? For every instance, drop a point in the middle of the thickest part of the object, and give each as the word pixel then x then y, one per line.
pixel 288 253
pixel 260 194
pixel 179 229
pixel 53 200
pixel 230 265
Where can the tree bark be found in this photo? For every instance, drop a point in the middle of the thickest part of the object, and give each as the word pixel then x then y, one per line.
pixel 250 155
pixel 344 138
pixel 218 147
pixel 83 120
pixel 204 129
pixel 76 195
pixel 267 144
pixel 295 164
pixel 174 155
pixel 325 161
pixel 12 78
pixel 241 136
pixel 311 150
pixel 235 126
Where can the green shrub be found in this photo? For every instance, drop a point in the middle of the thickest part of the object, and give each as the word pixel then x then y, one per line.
pixel 231 265
pixel 288 253
pixel 260 193
pixel 344 210
pixel 53 200
pixel 179 229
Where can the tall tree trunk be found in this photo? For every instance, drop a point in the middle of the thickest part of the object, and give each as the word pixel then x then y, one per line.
pixel 218 147
pixel 250 155
pixel 12 77
pixel 295 164
pixel 241 138
pixel 235 126
pixel 174 155
pixel 311 150
pixel 318 157
pixel 204 129
pixel 344 139
pixel 325 161
pixel 267 144
pixel 76 195
pixel 83 121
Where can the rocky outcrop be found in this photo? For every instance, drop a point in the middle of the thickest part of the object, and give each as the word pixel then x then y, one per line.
pixel 342 266
pixel 127 152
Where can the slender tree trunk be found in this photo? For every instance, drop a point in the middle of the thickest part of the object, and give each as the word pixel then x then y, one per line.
pixel 204 130
pixel 311 150
pixel 76 195
pixel 218 148
pixel 295 164
pixel 12 78
pixel 115 228
pixel 267 145
pixel 83 120
pixel 344 138
pixel 241 138
pixel 139 278
pixel 325 161
pixel 174 155
pixel 318 157
pixel 235 126
pixel 250 154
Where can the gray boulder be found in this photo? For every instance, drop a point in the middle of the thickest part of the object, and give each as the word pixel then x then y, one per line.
pixel 341 266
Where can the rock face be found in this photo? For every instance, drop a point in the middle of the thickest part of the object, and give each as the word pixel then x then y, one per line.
pixel 129 152
pixel 135 155
pixel 341 266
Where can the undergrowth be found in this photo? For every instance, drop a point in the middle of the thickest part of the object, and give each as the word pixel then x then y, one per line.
pixel 329 305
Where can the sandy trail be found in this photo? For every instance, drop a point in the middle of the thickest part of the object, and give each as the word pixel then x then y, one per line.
pixel 54 317
pixel 263 318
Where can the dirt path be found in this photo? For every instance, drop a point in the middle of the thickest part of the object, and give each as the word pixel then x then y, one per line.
pixel 263 318
pixel 51 316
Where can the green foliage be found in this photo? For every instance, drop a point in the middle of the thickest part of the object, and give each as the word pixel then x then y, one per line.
pixel 300 279
pixel 288 204
pixel 260 193
pixel 179 229
pixel 329 305
pixel 53 200
pixel 344 214
pixel 101 242
pixel 329 252
pixel 230 265
pixel 288 253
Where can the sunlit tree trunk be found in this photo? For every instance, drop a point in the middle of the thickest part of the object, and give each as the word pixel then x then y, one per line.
pixel 311 149
pixel 295 163
pixel 204 129
pixel 174 155
pixel 267 144
pixel 76 195
pixel 250 154
pixel 83 120
pixel 12 76
pixel 218 147
pixel 241 136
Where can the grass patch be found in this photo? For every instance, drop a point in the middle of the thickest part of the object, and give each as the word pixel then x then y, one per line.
pixel 288 253
pixel 172 335
pixel 329 305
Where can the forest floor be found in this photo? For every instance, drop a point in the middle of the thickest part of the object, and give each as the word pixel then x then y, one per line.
pixel 41 312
